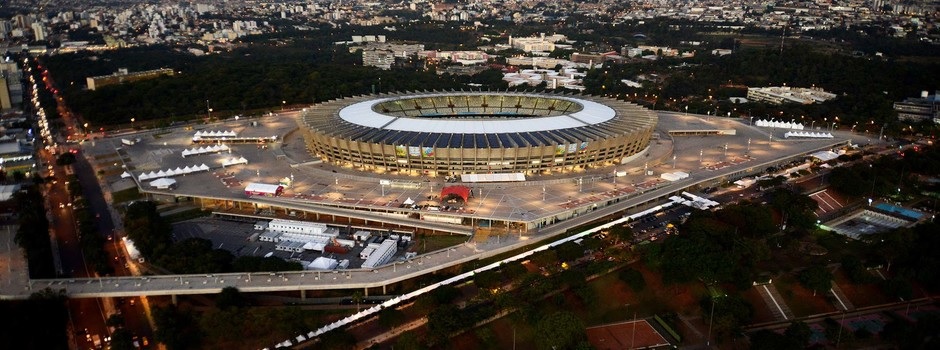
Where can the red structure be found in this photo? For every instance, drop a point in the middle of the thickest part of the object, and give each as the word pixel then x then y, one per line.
pixel 460 191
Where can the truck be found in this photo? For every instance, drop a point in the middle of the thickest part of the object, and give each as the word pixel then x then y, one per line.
pixel 129 142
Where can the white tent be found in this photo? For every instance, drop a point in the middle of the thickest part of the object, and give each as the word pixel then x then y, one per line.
pixel 408 201
pixel 178 171
pixel 322 263
pixel 163 183
pixel 161 173
pixel 188 170
pixel 126 175
pixel 204 167
pixel 143 176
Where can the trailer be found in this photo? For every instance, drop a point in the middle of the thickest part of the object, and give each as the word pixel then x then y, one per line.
pixel 260 189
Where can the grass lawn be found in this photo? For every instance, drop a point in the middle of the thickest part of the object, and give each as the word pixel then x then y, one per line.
pixel 430 243
pixel 125 195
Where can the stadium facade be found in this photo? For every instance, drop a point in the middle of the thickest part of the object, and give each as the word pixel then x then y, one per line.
pixel 454 133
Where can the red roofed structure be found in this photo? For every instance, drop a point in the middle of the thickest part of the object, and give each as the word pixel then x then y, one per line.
pixel 460 191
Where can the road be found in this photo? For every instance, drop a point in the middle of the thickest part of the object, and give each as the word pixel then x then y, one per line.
pixel 131 308
pixel 87 316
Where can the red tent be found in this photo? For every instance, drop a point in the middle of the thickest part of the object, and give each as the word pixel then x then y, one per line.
pixel 460 191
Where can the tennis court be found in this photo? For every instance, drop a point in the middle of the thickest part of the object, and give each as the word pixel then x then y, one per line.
pixel 625 335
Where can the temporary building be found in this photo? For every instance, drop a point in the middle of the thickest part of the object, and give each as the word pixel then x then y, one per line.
pixel 323 263
pixel 163 183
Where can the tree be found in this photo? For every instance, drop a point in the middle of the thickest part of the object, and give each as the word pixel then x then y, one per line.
pixel 817 278
pixel 730 313
pixel 445 294
pixel 357 298
pixel 488 279
pixel 408 341
pixel 122 339
pixel 444 320
pixel 177 329
pixel 855 270
pixel 770 340
pixel 37 323
pixel 799 333
pixel 338 339
pixel 230 298
pixel 633 278
pixel 559 330
pixel 115 320
pixel 569 251
pixel 66 158
pixel 621 233
pixel 390 317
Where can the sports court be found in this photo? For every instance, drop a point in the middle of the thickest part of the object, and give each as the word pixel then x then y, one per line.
pixel 827 201
pixel 873 323
pixel 626 335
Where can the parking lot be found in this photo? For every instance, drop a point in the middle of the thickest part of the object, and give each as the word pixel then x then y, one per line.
pixel 236 237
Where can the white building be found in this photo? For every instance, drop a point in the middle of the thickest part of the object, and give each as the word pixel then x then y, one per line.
pixel 295 226
pixel 786 94
pixel 381 255
pixel 294 247
pixel 539 43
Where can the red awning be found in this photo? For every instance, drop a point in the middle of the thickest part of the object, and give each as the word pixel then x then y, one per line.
pixel 460 191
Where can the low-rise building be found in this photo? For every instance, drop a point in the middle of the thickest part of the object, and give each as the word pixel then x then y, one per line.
pixel 123 76
pixel 786 94
pixel 916 109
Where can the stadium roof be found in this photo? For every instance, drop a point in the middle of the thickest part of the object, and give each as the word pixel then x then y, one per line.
pixel 477 119
pixel 362 113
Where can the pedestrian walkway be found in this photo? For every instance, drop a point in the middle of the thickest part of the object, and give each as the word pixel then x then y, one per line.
pixel 839 299
pixel 774 302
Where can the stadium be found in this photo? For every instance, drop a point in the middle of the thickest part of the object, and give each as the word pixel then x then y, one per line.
pixel 457 133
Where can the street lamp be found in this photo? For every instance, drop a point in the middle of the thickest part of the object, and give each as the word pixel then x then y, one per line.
pixel 86 127
pixel 701 154
pixel 283 104
pixel 132 122
pixel 748 146
pixel 673 161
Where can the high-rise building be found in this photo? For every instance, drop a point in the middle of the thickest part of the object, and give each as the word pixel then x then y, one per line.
pixel 39 33
pixel 22 21
pixel 11 85
pixel 5 102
